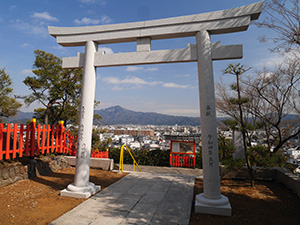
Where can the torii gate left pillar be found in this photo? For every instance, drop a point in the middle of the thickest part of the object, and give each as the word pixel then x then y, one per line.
pixel 201 26
pixel 82 188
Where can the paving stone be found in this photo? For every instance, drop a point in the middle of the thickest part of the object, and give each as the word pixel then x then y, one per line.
pixel 152 197
pixel 139 189
pixel 109 218
pixel 137 199
pixel 141 214
pixel 124 203
pixel 67 220
pixel 164 220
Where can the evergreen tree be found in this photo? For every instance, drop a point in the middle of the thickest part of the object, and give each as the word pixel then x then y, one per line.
pixel 8 104
pixel 57 89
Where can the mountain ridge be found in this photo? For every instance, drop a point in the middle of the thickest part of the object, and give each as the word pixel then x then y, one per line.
pixel 119 115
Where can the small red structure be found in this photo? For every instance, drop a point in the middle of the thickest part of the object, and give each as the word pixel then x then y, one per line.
pixel 183 154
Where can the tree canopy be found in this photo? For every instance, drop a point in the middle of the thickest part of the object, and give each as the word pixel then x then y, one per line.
pixel 57 89
pixel 8 104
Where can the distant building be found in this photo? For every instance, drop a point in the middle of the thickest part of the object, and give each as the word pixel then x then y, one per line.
pixel 133 132
pixel 294 156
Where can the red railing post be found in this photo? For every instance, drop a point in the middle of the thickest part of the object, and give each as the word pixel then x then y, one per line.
pixel 27 140
pixel 38 139
pixel 1 141
pixel 32 136
pixel 52 139
pixel 7 150
pixel 194 161
pixel 21 140
pixel 48 138
pixel 15 138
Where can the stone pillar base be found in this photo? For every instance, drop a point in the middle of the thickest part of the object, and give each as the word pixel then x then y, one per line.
pixel 220 206
pixel 80 192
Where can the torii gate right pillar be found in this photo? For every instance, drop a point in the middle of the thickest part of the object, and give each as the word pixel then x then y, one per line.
pixel 210 201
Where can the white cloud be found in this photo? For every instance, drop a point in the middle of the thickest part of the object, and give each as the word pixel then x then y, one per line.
pixel 275 60
pixel 26 71
pixel 24 45
pixel 117 89
pixel 12 7
pixel 34 29
pixel 101 2
pixel 133 68
pixel 173 85
pixel 85 21
pixel 153 83
pixel 106 50
pixel 44 16
pixel 270 62
pixel 128 80
pixel 112 80
pixel 105 19
pixel 150 69
pixel 138 82
pixel 266 75
pixel 134 80
pixel 1 20
pixel 183 75
pixel 137 68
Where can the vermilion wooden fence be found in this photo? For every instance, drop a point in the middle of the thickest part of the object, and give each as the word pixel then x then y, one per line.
pixel 31 139
pixel 182 160
pixel 99 154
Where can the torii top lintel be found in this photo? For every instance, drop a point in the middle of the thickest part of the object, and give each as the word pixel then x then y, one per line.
pixel 218 22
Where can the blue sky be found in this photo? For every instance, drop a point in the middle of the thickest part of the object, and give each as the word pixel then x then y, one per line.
pixel 165 88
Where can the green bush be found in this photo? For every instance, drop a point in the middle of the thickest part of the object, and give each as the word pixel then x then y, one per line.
pixel 261 156
pixel 199 159
pixel 234 163
pixel 142 157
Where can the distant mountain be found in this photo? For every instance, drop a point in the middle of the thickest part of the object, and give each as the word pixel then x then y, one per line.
pixel 21 117
pixel 119 115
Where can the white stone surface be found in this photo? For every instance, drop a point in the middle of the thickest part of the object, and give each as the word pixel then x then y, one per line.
pixel 82 188
pixel 80 192
pixel 224 21
pixel 143 56
pixel 220 207
pixel 143 45
pixel 209 135
pixel 138 198
pixel 104 164
pixel 86 117
pixel 239 152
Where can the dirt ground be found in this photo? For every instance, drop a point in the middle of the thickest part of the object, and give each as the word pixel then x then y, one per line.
pixel 37 201
pixel 268 203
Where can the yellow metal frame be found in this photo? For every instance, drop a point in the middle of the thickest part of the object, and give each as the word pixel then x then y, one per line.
pixel 122 159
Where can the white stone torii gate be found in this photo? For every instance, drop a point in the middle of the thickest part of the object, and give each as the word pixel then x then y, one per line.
pixel 201 26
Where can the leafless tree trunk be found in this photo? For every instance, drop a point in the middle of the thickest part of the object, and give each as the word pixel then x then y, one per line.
pixel 236 107
pixel 278 95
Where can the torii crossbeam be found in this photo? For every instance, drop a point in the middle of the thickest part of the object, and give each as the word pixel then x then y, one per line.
pixel 200 26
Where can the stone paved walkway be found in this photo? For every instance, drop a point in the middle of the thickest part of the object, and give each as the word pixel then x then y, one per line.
pixel 138 198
